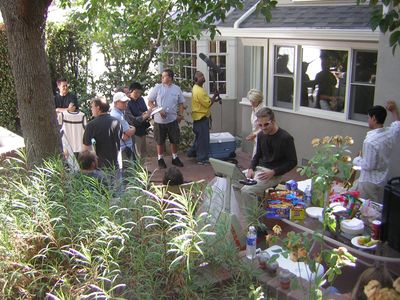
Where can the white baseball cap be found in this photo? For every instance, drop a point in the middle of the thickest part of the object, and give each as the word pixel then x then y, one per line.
pixel 120 96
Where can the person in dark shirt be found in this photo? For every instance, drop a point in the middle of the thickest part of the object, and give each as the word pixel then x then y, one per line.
pixel 138 115
pixel 275 155
pixel 65 100
pixel 103 134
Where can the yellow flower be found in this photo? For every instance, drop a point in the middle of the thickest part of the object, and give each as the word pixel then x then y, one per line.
pixel 371 288
pixel 337 140
pixel 348 140
pixel 326 140
pixel 277 229
pixel 315 142
pixel 346 158
pixel 335 170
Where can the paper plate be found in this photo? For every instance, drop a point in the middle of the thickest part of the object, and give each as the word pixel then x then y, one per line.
pixel 354 241
pixel 314 212
pixel 157 110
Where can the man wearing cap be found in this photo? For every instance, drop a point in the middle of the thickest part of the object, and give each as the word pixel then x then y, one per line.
pixel 138 115
pixel 169 97
pixel 103 134
pixel 120 101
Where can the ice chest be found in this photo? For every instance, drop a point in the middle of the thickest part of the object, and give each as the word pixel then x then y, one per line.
pixel 222 145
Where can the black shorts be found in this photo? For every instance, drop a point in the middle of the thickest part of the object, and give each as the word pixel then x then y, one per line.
pixel 161 131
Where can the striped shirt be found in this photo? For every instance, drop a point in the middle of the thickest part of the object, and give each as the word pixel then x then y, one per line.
pixel 376 151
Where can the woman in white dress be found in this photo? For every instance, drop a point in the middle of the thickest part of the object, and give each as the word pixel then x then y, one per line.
pixel 256 99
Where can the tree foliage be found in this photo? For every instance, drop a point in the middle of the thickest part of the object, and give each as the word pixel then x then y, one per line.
pixel 388 22
pixel 132 34
pixel 8 97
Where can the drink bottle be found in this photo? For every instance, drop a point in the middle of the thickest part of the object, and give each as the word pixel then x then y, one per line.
pixel 251 240
pixel 307 196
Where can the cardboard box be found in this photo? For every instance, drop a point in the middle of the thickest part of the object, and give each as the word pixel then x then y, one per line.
pixel 276 209
pixel 297 213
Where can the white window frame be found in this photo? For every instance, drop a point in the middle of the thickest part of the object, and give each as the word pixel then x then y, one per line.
pixel 333 45
pixel 180 54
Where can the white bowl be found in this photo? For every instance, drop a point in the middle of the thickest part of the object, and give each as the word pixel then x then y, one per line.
pixel 352 227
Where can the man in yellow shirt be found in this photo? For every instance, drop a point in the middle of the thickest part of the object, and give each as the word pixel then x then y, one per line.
pixel 201 104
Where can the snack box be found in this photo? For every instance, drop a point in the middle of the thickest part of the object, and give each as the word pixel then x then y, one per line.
pixel 276 209
pixel 297 213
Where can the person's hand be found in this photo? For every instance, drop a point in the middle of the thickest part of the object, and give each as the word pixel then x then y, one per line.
pixel 250 173
pixel 163 114
pixel 391 105
pixel 251 137
pixel 266 175
pixel 146 114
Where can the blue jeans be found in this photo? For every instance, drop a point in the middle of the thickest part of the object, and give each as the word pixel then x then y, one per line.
pixel 201 144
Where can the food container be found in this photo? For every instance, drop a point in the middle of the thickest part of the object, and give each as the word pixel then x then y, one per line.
pixel 352 226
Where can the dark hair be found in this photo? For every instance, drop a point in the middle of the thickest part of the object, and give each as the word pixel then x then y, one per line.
pixel 102 104
pixel 379 112
pixel 173 176
pixel 61 80
pixel 266 112
pixel 135 86
pixel 86 158
pixel 197 75
pixel 169 72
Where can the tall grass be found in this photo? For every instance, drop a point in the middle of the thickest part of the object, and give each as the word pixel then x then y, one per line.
pixel 66 236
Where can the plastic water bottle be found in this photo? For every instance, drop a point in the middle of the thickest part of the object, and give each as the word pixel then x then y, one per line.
pixel 307 196
pixel 251 241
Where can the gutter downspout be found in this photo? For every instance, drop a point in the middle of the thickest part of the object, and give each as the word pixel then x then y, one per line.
pixel 245 16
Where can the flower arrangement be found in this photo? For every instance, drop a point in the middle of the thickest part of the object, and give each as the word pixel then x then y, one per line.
pixel 299 247
pixel 331 161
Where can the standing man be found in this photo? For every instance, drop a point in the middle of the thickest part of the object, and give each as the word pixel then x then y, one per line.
pixel 127 151
pixel 201 104
pixel 103 133
pixel 377 147
pixel 275 155
pixel 64 100
pixel 138 115
pixel 169 97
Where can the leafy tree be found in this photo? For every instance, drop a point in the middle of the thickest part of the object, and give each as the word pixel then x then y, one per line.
pixel 132 34
pixel 149 24
pixel 387 23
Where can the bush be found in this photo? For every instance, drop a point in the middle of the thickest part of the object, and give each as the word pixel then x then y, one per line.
pixel 8 97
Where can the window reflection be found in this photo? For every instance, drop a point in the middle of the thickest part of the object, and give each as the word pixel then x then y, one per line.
pixel 283 77
pixel 323 80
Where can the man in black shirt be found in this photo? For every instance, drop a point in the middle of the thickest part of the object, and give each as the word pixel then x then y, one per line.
pixel 64 100
pixel 103 134
pixel 275 155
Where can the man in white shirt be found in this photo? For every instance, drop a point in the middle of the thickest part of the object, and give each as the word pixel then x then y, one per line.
pixel 169 97
pixel 377 147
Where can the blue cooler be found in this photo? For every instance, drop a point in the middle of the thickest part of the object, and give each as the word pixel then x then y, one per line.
pixel 222 145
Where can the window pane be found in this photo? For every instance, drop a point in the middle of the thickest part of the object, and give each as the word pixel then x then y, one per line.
pixel 222 46
pixel 213 47
pixel 283 91
pixel 363 84
pixel 323 78
pixel 283 76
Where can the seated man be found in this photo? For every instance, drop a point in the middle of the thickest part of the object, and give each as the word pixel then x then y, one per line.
pixel 377 147
pixel 88 164
pixel 275 155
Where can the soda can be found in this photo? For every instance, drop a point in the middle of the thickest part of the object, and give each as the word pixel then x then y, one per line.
pixel 376 229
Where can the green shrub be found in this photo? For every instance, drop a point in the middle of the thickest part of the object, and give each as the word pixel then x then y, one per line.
pixel 8 97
